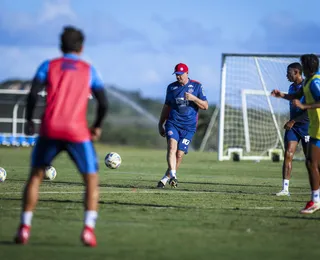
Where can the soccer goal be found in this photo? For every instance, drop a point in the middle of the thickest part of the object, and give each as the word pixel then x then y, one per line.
pixel 250 120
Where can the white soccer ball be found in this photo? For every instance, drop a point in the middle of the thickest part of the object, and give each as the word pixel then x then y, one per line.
pixel 3 174
pixel 50 173
pixel 112 160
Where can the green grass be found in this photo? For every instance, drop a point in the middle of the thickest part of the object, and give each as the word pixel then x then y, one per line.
pixel 220 210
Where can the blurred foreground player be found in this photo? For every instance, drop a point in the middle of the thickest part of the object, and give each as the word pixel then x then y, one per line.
pixel 69 81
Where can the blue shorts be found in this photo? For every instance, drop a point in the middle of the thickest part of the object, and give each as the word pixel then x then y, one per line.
pixel 183 137
pixel 83 154
pixel 315 141
pixel 297 134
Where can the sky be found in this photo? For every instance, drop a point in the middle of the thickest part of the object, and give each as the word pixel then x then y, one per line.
pixel 136 44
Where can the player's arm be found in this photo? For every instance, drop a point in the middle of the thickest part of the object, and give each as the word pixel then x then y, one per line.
pixel 277 93
pixel 315 91
pixel 202 104
pixel 98 91
pixel 200 100
pixel 102 108
pixel 37 85
pixel 163 117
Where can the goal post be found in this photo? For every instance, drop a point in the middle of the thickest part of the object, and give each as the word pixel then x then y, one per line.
pixel 244 94
pixel 250 119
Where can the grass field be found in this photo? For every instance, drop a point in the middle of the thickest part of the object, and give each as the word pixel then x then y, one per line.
pixel 219 210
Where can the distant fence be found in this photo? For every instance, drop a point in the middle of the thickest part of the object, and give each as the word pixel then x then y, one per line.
pixel 12 117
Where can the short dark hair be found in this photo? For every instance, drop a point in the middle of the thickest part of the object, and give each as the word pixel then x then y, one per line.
pixel 71 39
pixel 310 62
pixel 295 65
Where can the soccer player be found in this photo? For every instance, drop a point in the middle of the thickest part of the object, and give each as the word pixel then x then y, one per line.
pixel 311 91
pixel 69 82
pixel 178 119
pixel 296 128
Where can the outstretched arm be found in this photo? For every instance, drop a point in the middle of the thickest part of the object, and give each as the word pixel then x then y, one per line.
pixel 277 93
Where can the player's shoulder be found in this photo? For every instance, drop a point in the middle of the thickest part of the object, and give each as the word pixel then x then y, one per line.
pixel 195 82
pixel 316 79
pixel 172 86
pixel 315 83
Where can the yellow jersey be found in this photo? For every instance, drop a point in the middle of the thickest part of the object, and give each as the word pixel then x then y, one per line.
pixel 313 114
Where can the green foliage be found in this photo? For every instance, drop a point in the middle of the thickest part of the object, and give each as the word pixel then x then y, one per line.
pixel 123 125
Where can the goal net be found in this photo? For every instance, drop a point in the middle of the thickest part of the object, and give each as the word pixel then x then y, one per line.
pixel 250 120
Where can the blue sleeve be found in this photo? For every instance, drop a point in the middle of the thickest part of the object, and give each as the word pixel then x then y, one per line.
pixel 42 72
pixel 202 94
pixel 168 97
pixel 315 89
pixel 95 79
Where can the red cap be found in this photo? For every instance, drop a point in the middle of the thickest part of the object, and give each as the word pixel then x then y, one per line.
pixel 180 69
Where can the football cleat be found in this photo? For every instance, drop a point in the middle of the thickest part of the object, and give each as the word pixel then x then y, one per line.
pixel 88 237
pixel 311 207
pixel 283 193
pixel 173 182
pixel 23 234
pixel 160 185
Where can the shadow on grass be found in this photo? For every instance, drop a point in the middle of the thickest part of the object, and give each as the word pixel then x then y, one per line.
pixel 7 243
pixel 301 217
pixel 68 201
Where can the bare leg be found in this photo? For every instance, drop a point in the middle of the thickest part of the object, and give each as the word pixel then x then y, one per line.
pixel 287 163
pixel 180 155
pixel 171 154
pixel 315 159
pixel 31 190
pixel 313 205
pixel 29 202
pixel 91 207
pixel 307 153
pixel 92 191
pixel 172 146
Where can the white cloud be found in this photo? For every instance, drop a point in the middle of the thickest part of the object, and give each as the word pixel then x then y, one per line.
pixel 22 63
pixel 54 9
pixel 150 76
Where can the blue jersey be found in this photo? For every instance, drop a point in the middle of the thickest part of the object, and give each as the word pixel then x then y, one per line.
pixel 296 112
pixel 184 113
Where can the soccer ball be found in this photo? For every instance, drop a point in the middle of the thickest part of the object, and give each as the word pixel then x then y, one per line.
pixel 112 160
pixel 3 174
pixel 50 173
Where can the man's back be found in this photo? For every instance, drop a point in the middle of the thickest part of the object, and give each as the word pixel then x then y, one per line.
pixel 68 84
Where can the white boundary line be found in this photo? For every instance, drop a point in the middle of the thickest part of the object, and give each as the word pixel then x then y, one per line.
pixel 155 191
pixel 172 207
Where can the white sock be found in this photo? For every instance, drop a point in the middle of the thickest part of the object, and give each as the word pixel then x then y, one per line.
pixel 285 185
pixel 164 179
pixel 173 174
pixel 26 218
pixel 90 218
pixel 315 196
